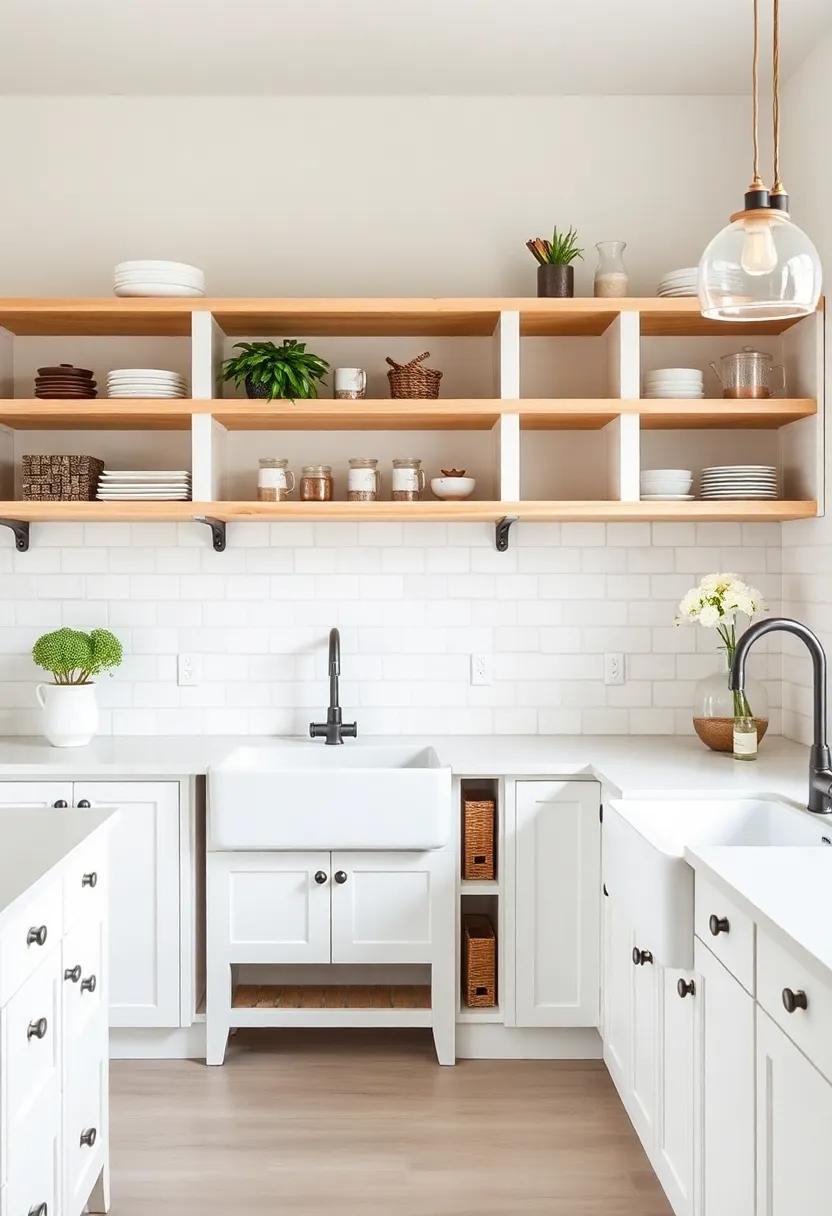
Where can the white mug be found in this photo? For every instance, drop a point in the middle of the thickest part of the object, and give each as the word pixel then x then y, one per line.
pixel 350 383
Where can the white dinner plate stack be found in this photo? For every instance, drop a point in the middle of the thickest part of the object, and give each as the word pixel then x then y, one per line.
pixel 679 282
pixel 738 481
pixel 666 485
pixel 148 278
pixel 679 382
pixel 144 485
pixel 145 382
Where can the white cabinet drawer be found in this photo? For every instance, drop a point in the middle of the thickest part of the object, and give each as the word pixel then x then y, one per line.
pixel 782 977
pixel 85 1117
pixel 725 929
pixel 32 1039
pixel 29 937
pixel 83 980
pixel 85 885
pixel 34 1158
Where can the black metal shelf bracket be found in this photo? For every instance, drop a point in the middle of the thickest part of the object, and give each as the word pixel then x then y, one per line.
pixel 21 533
pixel 217 527
pixel 503 526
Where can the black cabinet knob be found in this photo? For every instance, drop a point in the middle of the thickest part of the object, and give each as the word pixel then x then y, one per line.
pixel 37 1030
pixel 718 924
pixel 36 936
pixel 85 804
pixel 88 1136
pixel 320 878
pixel 89 880
pixel 794 1000
pixel 686 988
pixel 640 957
pixel 89 984
pixel 73 973
pixel 340 877
pixel 38 1209
pixel 60 805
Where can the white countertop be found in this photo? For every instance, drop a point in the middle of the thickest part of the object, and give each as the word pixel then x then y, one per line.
pixel 787 889
pixel 34 840
pixel 629 766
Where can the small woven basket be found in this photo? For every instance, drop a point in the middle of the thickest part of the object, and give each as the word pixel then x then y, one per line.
pixel 479 962
pixel 413 380
pixel 478 816
pixel 61 478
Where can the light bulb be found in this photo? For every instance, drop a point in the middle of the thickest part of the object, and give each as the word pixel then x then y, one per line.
pixel 759 253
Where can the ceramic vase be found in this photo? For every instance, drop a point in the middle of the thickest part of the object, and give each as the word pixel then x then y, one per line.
pixel 70 713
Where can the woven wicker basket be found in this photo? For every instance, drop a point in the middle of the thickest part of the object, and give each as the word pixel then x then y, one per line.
pixel 478 818
pixel 413 380
pixel 61 478
pixel 479 962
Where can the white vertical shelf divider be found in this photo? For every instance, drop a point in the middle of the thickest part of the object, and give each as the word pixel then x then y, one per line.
pixel 6 434
pixel 207 435
pixel 803 443
pixel 507 429
pixel 623 435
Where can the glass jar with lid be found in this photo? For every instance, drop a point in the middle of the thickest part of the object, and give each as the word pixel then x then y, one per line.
pixel 408 480
pixel 275 481
pixel 316 483
pixel 363 480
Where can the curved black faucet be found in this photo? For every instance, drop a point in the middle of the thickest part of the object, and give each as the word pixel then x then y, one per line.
pixel 820 760
pixel 334 730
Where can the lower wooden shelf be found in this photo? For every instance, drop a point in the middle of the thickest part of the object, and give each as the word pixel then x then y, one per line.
pixel 331 996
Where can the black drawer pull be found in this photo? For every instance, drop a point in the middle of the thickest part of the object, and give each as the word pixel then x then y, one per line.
pixel 89 984
pixel 340 877
pixel 320 878
pixel 38 1029
pixel 90 880
pixel 85 804
pixel 38 1209
pixel 686 988
pixel 640 957
pixel 88 1137
pixel 36 936
pixel 718 924
pixel 794 1000
pixel 73 973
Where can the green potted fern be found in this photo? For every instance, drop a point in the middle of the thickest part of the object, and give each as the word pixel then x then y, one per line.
pixel 555 272
pixel 287 372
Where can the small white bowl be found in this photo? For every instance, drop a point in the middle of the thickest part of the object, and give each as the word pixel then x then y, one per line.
pixel 452 488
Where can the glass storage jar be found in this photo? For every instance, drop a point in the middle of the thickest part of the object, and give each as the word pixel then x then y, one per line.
pixel 611 279
pixel 274 480
pixel 363 480
pixel 316 483
pixel 408 480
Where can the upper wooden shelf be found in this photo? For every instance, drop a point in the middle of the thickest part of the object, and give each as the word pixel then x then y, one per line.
pixel 382 317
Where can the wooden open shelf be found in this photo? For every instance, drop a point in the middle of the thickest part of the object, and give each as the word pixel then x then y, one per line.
pixel 449 512
pixel 413 415
pixel 383 317
pixel 331 996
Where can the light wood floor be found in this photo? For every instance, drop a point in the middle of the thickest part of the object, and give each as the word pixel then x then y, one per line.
pixel 322 1122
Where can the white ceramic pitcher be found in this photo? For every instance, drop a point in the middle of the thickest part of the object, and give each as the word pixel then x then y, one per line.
pixel 70 713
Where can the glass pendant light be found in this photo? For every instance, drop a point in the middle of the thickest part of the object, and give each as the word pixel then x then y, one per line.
pixel 762 267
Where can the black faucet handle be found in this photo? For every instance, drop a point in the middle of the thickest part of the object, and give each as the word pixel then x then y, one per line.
pixel 350 730
pixel 317 730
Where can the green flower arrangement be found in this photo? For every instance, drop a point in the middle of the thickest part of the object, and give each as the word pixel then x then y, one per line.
pixel 74 657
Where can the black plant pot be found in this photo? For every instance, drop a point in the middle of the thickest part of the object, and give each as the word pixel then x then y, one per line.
pixel 555 281
pixel 258 390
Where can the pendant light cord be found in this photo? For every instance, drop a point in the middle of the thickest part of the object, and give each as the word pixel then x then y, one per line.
pixel 775 104
pixel 756 180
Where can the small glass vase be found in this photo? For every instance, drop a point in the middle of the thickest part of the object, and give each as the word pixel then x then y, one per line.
pixel 611 279
pixel 715 707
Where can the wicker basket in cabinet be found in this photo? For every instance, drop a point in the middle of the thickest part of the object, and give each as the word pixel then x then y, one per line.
pixel 479 962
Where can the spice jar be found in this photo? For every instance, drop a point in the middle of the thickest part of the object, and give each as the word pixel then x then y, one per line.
pixel 363 480
pixel 316 483
pixel 408 480
pixel 274 480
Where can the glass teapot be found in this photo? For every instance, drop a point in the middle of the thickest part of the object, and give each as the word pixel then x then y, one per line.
pixel 749 373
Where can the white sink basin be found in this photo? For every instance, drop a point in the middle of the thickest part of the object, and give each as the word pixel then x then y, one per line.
pixel 305 795
pixel 644 866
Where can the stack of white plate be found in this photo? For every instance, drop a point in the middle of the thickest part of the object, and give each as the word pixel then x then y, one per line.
pixel 666 485
pixel 739 481
pixel 679 282
pixel 680 382
pixel 147 278
pixel 145 382
pixel 145 485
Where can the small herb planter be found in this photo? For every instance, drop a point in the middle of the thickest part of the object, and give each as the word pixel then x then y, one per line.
pixel 556 281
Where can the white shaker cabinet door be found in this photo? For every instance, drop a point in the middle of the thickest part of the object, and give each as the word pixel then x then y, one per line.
pixel 794 1121
pixel 557 914
pixel 144 975
pixel 381 908
pixel 618 997
pixel 676 1106
pixel 276 907
pixel 35 793
pixel 726 1167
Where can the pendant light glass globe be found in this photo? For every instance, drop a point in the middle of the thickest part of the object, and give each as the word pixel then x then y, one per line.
pixel 762 267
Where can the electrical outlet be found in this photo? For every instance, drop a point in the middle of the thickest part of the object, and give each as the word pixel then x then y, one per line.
pixel 481 672
pixel 613 668
pixel 187 670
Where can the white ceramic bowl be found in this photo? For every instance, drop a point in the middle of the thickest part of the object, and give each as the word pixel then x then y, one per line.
pixel 452 488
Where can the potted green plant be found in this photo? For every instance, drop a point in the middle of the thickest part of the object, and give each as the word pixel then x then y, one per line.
pixel 287 372
pixel 70 709
pixel 555 273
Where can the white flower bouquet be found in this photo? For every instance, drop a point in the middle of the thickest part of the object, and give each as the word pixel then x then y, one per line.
pixel 715 604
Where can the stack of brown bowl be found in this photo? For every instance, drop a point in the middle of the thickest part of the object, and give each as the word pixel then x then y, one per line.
pixel 65 382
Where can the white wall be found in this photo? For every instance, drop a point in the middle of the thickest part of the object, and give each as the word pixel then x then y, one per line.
pixel 807 545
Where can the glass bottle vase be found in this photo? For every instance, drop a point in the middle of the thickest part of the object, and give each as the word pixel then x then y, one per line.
pixel 715 707
pixel 611 279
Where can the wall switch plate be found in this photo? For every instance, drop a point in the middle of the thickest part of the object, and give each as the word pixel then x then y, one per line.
pixel 481 668
pixel 613 668
pixel 187 670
